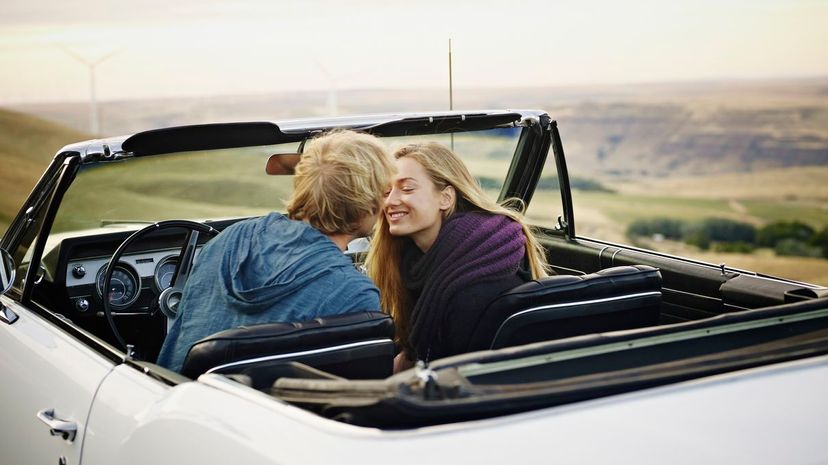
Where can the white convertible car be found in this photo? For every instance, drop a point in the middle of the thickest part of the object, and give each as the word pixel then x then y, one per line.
pixel 625 356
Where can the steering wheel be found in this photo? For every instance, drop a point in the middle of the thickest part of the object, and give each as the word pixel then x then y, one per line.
pixel 170 298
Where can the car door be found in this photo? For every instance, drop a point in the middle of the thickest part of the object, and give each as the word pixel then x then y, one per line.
pixel 48 380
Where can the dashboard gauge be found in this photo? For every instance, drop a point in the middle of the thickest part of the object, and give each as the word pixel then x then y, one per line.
pixel 123 287
pixel 165 272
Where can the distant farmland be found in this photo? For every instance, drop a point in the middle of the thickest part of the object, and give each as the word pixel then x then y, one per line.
pixel 754 152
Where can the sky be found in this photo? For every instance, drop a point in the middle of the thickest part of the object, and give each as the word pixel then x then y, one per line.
pixel 192 48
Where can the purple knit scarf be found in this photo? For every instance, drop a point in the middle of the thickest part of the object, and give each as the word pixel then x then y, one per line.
pixel 471 247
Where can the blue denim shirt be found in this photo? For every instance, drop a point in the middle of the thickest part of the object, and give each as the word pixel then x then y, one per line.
pixel 265 270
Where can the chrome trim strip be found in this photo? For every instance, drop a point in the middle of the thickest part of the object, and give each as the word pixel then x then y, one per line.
pixel 302 353
pixel 570 304
pixel 600 253
pixel 696 262
pixel 612 259
pixel 7 315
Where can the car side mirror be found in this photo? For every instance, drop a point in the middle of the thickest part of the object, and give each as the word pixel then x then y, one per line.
pixel 6 271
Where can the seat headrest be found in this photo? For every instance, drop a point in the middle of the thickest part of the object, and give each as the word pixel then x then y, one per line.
pixel 610 281
pixel 248 342
pixel 563 289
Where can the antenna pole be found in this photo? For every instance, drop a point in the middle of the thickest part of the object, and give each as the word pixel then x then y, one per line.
pixel 451 83
pixel 451 92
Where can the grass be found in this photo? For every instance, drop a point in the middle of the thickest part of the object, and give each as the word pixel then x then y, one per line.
pixel 175 186
pixel 797 183
pixel 627 208
pixel 606 216
pixel 814 213
pixel 214 184
pixel 232 183
pixel 27 145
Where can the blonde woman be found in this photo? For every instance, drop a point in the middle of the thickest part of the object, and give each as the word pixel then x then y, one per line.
pixel 443 251
pixel 279 268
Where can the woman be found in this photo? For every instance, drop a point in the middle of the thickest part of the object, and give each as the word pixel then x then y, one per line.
pixel 443 251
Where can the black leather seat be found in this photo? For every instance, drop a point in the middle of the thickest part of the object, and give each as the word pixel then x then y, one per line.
pixel 556 307
pixel 355 345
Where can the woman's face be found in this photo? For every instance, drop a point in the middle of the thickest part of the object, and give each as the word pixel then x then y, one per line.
pixel 414 205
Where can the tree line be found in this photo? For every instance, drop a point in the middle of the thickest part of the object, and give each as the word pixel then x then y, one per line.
pixel 792 238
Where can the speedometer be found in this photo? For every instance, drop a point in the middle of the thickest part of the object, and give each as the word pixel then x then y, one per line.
pixel 123 287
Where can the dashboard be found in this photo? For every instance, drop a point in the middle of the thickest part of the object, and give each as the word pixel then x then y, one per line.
pixel 73 266
pixel 76 263
pixel 138 279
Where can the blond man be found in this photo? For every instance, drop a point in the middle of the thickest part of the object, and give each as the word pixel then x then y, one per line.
pixel 281 268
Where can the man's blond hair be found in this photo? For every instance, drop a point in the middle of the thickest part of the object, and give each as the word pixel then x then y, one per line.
pixel 340 178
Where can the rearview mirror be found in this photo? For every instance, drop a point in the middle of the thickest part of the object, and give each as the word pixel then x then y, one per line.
pixel 6 271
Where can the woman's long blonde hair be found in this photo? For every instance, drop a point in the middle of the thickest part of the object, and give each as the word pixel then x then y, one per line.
pixel 444 168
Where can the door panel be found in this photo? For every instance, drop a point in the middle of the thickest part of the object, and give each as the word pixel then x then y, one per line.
pixel 690 290
pixel 123 402
pixel 43 368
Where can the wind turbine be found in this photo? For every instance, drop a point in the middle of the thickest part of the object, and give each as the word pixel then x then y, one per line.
pixel 94 126
pixel 333 101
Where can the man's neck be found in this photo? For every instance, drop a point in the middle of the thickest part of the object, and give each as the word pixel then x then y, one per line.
pixel 341 240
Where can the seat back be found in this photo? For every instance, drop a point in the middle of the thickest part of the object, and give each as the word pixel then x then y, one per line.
pixel 354 345
pixel 556 307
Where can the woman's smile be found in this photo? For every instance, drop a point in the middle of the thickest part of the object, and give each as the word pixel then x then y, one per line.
pixel 414 205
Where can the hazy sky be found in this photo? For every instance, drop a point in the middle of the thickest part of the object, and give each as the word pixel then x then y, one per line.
pixel 163 48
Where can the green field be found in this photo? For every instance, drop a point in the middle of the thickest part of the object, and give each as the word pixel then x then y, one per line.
pixel 27 145
pixel 232 183
pixel 607 215
pixel 216 184
pixel 219 184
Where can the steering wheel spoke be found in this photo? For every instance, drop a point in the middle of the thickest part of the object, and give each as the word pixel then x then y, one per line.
pixel 185 261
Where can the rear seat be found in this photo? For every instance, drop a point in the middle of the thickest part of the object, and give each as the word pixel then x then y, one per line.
pixel 556 307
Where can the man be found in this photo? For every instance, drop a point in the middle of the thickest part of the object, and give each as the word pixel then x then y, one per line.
pixel 281 268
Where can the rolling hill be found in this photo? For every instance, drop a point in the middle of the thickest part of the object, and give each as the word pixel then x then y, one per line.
pixel 650 130
pixel 27 145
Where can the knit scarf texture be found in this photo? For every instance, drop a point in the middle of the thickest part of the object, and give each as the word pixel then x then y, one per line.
pixel 471 247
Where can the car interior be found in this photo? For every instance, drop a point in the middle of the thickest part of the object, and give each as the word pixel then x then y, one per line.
pixel 603 299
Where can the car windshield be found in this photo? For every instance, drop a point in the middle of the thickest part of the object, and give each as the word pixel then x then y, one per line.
pixel 232 183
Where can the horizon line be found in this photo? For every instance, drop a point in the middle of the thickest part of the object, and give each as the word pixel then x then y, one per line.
pixel 323 92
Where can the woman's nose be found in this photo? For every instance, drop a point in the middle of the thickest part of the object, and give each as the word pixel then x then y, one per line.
pixel 392 198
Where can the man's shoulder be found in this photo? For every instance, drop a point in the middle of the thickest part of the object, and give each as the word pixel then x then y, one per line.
pixel 263 221
pixel 274 226
pixel 352 274
pixel 357 291
pixel 249 223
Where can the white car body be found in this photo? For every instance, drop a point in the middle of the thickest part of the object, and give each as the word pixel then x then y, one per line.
pixel 70 396
pixel 737 418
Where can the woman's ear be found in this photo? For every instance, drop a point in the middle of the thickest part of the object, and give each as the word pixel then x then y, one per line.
pixel 448 197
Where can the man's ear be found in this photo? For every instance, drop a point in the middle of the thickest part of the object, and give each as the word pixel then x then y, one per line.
pixel 448 197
